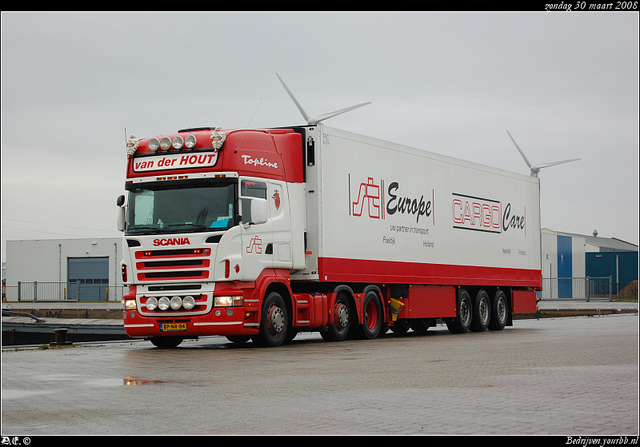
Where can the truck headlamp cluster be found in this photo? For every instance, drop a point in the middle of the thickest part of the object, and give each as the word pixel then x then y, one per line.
pixel 177 143
pixel 174 303
pixel 227 301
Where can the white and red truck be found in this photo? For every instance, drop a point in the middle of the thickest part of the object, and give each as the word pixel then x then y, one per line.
pixel 263 233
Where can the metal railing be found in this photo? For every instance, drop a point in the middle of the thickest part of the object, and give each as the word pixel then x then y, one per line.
pixel 52 291
pixel 587 288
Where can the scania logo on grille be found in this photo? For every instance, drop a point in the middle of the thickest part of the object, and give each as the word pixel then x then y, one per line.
pixel 171 241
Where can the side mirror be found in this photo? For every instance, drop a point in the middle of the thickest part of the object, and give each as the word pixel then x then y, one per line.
pixel 258 211
pixel 121 213
pixel 254 211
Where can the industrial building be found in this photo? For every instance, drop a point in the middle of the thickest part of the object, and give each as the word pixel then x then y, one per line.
pixel 570 260
pixel 64 269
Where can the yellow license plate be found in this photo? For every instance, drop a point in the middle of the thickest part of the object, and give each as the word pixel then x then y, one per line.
pixel 173 326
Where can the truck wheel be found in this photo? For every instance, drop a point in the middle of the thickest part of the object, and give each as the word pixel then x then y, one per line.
pixel 372 318
pixel 462 321
pixel 481 312
pixel 339 329
pixel 499 311
pixel 274 321
pixel 166 342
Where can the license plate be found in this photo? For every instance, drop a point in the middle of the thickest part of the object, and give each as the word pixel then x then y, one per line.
pixel 173 326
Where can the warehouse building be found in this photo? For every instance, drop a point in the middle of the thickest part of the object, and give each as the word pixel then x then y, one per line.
pixel 570 259
pixel 64 269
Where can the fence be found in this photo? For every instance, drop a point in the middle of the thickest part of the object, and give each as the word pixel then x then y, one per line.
pixel 589 289
pixel 47 291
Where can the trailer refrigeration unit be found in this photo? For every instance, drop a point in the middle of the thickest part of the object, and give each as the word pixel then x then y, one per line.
pixel 260 234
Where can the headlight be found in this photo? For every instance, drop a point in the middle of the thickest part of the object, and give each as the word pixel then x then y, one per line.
pixel 227 301
pixel 164 303
pixel 176 303
pixel 152 303
pixel 129 304
pixel 188 303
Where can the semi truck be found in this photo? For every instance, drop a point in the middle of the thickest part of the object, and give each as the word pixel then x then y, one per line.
pixel 260 234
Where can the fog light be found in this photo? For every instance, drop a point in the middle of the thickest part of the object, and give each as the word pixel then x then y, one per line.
pixel 152 303
pixel 190 141
pixel 154 144
pixel 176 303
pixel 164 303
pixel 188 303
pixel 165 143
pixel 177 142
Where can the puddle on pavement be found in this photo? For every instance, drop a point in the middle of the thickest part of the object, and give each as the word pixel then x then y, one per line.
pixel 133 381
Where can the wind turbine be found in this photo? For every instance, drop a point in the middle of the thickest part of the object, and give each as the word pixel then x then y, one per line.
pixel 536 168
pixel 311 120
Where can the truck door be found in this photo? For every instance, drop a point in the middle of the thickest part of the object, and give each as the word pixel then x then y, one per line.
pixel 256 236
pixel 280 216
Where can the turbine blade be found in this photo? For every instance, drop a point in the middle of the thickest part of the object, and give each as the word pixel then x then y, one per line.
pixel 553 163
pixel 325 116
pixel 520 150
pixel 295 101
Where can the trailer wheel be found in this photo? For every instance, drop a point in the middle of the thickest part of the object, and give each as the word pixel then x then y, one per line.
pixel 339 329
pixel 462 321
pixel 166 342
pixel 372 318
pixel 481 312
pixel 274 321
pixel 499 311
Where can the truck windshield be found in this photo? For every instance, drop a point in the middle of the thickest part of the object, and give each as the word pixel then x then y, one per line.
pixel 181 207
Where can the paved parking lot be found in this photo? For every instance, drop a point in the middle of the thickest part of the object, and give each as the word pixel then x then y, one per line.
pixel 554 376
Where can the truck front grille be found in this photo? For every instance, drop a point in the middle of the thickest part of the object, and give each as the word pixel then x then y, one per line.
pixel 167 265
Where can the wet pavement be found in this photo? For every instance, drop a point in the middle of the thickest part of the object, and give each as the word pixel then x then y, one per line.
pixel 572 376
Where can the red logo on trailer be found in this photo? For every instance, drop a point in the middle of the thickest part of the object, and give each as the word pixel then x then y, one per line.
pixel 369 195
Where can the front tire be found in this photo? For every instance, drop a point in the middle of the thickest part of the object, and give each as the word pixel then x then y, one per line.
pixel 274 321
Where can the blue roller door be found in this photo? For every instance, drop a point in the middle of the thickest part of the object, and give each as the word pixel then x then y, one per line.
pixel 565 267
pixel 91 275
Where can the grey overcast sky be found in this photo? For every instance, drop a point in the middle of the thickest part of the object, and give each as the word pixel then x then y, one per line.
pixel 565 85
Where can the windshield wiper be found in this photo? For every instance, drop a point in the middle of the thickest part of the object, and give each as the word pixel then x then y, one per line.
pixel 187 225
